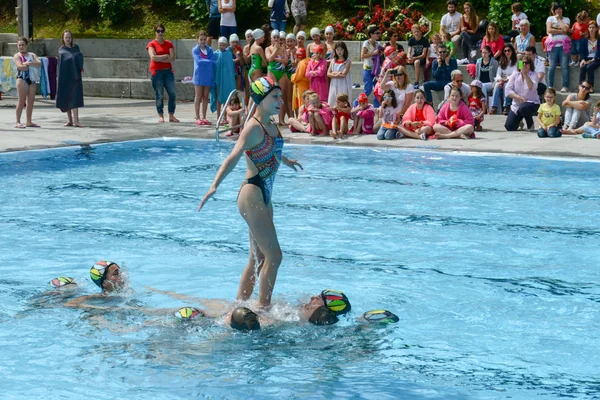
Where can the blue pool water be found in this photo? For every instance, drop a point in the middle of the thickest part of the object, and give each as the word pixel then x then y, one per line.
pixel 491 263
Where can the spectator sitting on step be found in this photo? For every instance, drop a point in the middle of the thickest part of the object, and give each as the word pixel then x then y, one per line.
pixel 458 83
pixel 450 23
pixel 441 69
pixel 577 107
pixel 506 66
pixel 524 40
pixel 493 39
pixel 486 69
pixel 454 120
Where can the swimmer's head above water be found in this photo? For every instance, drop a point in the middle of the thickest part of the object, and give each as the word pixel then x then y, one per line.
pixel 107 275
pixel 244 319
pixel 324 308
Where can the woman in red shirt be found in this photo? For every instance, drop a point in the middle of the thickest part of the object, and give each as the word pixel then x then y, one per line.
pixel 494 39
pixel 162 54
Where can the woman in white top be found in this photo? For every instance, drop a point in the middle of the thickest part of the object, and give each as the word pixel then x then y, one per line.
pixel 558 45
pixel 28 65
pixel 228 23
pixel 506 66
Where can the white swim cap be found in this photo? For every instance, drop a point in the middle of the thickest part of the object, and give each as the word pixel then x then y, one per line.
pixel 222 39
pixel 274 33
pixel 301 34
pixel 282 34
pixel 329 29
pixel 248 32
pixel 315 31
pixel 234 38
pixel 290 36
pixel 257 34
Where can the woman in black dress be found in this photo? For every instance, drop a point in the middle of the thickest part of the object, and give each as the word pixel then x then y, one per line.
pixel 69 95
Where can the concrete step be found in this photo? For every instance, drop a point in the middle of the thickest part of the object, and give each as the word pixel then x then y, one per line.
pixel 136 48
pixel 142 89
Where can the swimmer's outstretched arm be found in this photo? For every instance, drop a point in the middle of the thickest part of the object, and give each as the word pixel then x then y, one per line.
pixel 213 307
pixel 79 302
pixel 291 163
pixel 249 132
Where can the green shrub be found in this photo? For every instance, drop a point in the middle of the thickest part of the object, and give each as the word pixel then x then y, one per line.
pixel 115 10
pixel 85 8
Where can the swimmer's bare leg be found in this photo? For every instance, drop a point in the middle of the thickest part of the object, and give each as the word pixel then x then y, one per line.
pixel 259 218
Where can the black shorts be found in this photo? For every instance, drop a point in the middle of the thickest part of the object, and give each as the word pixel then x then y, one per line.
pixel 214 27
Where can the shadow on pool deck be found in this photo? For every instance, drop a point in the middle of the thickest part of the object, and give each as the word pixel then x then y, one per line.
pixel 111 120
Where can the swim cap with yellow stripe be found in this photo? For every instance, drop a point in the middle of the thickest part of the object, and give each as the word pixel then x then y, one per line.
pixel 336 301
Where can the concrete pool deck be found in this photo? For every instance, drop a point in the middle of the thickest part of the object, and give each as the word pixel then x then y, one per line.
pixel 113 120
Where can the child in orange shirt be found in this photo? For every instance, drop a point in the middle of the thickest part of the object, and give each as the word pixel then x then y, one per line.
pixel 578 38
pixel 300 80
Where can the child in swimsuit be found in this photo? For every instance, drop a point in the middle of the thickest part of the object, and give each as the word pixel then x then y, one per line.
pixel 341 116
pixel 234 115
pixel 300 124
pixel 257 54
pixel 238 59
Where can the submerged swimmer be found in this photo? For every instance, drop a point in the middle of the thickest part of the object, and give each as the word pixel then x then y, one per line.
pixel 107 276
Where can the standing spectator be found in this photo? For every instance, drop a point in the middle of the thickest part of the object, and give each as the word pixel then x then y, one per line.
pixel 493 39
pixel 316 71
pixel 590 54
pixel 578 32
pixel 442 67
pixel 301 38
pixel 506 67
pixel 339 73
pixel 450 23
pixel 418 48
pixel 577 107
pixel 516 18
pixel 315 34
pixel 204 76
pixel 162 55
pixel 486 70
pixel 214 20
pixel 549 116
pixel 258 60
pixel 280 12
pixel 69 95
pixel 300 15
pixel 469 23
pixel 540 69
pixel 26 63
pixel 522 88
pixel 228 23
pixel 247 64
pixel 329 43
pixel 558 45
pixel 477 103
pixel 300 80
pixel 224 77
pixel 370 48
pixel 277 57
pixel 524 39
pixel 238 59
pixel 454 120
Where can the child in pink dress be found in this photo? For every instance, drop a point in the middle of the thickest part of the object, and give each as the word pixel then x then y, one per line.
pixel 316 71
pixel 364 116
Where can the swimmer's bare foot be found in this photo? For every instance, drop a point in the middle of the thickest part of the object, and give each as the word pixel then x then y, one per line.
pixel 464 137
pixel 161 119
pixel 173 119
pixel 68 124
pixel 20 125
pixel 438 135
pixel 283 124
pixel 32 125
pixel 78 125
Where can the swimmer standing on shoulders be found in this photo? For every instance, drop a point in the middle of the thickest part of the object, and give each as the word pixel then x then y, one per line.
pixel 262 144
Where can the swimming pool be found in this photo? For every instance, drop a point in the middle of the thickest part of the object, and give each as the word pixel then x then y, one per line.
pixel 489 261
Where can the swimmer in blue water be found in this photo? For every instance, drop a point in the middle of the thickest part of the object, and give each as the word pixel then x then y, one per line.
pixel 107 275
pixel 261 144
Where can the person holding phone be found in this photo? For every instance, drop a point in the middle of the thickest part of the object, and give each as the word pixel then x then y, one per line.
pixel 522 89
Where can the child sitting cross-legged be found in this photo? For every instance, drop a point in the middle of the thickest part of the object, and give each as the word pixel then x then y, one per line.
pixel 389 113
pixel 319 116
pixel 549 116
pixel 364 116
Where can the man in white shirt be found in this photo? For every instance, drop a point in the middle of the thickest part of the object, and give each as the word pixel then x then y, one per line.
pixel 540 70
pixel 451 23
